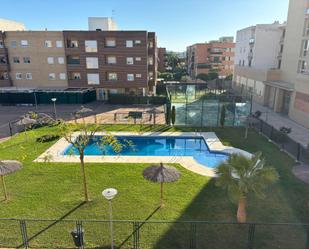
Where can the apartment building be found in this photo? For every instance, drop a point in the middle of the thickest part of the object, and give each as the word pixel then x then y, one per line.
pixel 110 61
pixel 36 59
pixel 212 56
pixel 257 58
pixel 9 25
pixel 284 81
pixel 162 60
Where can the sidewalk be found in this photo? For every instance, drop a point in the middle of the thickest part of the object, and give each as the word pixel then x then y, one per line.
pixel 299 133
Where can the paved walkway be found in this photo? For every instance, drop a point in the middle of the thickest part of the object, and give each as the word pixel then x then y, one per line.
pixel 299 133
pixel 302 172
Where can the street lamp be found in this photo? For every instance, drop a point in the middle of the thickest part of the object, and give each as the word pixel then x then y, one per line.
pixel 55 112
pixel 109 194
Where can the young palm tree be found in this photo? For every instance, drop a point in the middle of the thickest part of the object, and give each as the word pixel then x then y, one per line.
pixel 240 176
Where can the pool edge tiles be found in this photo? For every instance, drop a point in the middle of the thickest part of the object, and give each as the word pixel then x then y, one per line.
pixel 188 162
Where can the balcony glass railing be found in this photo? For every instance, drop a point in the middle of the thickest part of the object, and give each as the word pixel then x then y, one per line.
pixel 73 61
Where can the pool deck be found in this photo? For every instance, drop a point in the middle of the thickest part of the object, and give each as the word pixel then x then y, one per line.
pixel 213 142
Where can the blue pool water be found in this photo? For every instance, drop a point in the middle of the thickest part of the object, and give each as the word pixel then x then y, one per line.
pixel 157 146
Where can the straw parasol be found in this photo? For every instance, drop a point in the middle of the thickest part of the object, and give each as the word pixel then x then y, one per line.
pixel 26 121
pixel 82 111
pixel 161 174
pixel 8 167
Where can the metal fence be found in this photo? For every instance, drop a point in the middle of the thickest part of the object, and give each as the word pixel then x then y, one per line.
pixel 16 233
pixel 295 149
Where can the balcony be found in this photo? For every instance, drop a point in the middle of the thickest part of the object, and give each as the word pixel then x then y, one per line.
pixel 73 60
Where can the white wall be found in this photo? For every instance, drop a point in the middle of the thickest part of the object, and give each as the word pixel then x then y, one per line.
pixel 103 23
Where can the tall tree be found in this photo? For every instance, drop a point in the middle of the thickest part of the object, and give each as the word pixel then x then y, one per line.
pixel 80 135
pixel 241 176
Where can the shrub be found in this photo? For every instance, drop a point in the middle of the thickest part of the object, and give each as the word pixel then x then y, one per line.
pixel 47 138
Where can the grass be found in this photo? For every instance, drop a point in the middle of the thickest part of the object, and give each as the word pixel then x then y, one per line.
pixel 54 191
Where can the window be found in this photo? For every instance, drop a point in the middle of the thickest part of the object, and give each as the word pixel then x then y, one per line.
pixel 60 60
pixel 58 44
pixel 48 44
pixel 50 60
pixel 73 60
pixel 110 42
pixel 75 76
pixel 249 63
pixel 4 76
pixel 112 76
pixel 129 43
pixel 303 67
pixel 1 44
pixel 51 76
pixel 91 46
pixel 2 60
pixel 28 76
pixel 150 44
pixel 111 60
pixel 279 64
pixel 16 60
pixel 150 75
pixel 27 60
pixel 138 75
pixel 24 43
pixel 92 62
pixel 62 76
pixel 72 43
pixel 93 79
pixel 150 61
pixel 307 11
pixel 138 58
pixel 130 61
pixel 305 47
pixel 13 44
pixel 130 76
pixel 19 76
pixel 137 41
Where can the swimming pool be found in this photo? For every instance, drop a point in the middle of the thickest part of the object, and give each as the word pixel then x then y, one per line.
pixel 159 146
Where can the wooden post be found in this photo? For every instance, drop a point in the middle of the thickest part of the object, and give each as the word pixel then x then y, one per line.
pixel 4 188
pixel 161 194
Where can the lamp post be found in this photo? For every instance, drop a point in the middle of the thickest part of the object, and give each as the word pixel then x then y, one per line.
pixel 55 112
pixel 109 194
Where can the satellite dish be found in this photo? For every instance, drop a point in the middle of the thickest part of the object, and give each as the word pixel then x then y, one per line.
pixel 109 193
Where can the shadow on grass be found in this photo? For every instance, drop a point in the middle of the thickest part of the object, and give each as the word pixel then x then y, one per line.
pixel 53 223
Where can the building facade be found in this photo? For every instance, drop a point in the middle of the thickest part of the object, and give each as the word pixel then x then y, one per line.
pixel 282 81
pixel 212 56
pixel 162 60
pixel 110 61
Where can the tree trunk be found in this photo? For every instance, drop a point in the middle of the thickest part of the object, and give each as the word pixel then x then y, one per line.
pixel 4 188
pixel 84 176
pixel 241 212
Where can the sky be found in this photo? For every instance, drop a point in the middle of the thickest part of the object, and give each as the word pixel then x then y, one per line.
pixel 177 23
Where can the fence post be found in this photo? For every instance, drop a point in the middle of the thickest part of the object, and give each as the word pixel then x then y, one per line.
pixel 24 235
pixel 10 127
pixel 271 133
pixel 251 232
pixel 298 151
pixel 307 243
pixel 136 235
pixel 261 126
pixel 154 118
pixel 193 235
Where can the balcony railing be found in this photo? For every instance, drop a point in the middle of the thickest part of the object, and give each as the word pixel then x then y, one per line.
pixel 73 61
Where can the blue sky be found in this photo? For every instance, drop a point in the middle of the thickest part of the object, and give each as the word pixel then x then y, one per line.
pixel 178 23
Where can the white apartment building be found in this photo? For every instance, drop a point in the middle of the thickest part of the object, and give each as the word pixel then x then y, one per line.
pixel 272 63
pixel 101 23
pixel 9 25
pixel 256 57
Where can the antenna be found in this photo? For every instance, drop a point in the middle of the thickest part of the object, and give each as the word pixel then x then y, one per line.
pixel 113 14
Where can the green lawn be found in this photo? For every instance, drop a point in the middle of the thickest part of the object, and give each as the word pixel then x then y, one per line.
pixel 54 191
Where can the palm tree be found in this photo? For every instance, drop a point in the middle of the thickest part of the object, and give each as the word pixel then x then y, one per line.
pixel 241 175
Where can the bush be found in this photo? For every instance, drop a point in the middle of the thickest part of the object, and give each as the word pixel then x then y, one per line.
pixel 47 138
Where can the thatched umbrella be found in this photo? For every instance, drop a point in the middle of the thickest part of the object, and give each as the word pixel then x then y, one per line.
pixel 161 173
pixel 83 111
pixel 8 167
pixel 26 121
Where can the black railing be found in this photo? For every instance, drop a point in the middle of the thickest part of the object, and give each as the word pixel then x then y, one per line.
pixel 286 143
pixel 34 233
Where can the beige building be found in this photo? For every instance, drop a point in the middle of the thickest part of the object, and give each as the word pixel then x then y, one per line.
pixel 283 87
pixel 37 59
pixel 9 25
